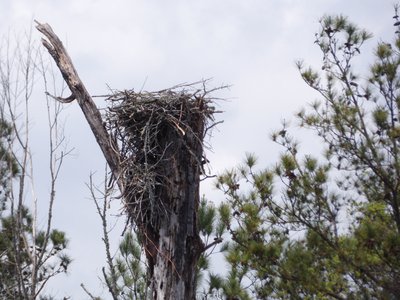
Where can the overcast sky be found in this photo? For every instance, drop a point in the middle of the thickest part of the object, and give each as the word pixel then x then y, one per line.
pixel 251 45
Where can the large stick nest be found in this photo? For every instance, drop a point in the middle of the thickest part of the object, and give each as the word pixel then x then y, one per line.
pixel 138 121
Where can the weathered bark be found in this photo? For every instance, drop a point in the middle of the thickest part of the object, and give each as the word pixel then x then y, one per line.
pixel 172 244
pixel 173 262
pixel 79 92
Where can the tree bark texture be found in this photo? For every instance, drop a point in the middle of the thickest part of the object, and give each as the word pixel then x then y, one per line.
pixel 172 244
pixel 177 243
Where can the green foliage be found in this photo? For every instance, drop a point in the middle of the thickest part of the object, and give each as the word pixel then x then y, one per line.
pixel 128 275
pixel 58 238
pixel 212 223
pixel 18 254
pixel 8 165
pixel 206 215
pixel 326 228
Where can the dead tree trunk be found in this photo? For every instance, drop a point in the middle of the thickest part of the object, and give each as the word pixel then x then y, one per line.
pixel 172 243
pixel 171 237
pixel 161 136
pixel 157 166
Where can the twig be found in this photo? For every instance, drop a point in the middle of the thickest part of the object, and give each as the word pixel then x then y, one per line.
pixel 87 292
pixel 216 242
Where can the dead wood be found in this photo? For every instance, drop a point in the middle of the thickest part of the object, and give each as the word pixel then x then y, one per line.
pixel 153 144
pixel 56 49
pixel 140 122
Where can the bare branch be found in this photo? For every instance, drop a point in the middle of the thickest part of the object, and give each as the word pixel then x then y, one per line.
pixel 78 90
pixel 216 242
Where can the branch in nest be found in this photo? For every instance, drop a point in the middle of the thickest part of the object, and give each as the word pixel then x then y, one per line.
pixel 211 126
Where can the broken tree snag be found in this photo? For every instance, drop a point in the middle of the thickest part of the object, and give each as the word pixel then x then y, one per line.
pixel 56 49
pixel 153 143
pixel 161 141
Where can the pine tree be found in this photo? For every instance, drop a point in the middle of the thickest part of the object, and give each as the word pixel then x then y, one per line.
pixel 8 165
pixel 327 227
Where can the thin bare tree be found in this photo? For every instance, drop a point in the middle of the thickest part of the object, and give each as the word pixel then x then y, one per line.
pixel 30 253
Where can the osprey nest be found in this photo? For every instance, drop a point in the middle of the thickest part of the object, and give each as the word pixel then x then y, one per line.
pixel 150 128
